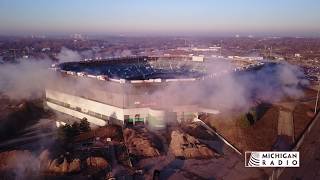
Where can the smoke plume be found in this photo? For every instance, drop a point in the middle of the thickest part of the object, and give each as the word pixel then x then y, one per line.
pixel 27 79
pixel 238 90
pixel 67 55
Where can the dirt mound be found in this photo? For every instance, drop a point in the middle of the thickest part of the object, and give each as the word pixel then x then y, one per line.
pixel 185 146
pixel 64 167
pixel 52 166
pixel 21 162
pixel 97 163
pixel 140 143
pixel 74 165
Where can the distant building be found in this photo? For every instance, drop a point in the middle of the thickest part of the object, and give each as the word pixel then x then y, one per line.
pixel 297 55
pixel 198 58
pixel 213 48
pixel 77 36
pixel 45 49
pixel 250 58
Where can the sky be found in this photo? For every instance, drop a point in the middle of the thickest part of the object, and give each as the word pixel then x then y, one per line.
pixel 161 17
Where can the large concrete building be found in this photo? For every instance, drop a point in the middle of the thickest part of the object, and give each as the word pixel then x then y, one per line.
pixel 120 91
pixel 126 90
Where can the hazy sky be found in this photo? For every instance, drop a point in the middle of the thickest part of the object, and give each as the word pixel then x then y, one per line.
pixel 161 17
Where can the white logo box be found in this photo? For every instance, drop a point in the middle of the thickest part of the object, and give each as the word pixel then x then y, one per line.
pixel 272 159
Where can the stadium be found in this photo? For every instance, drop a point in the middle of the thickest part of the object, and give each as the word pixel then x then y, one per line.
pixel 123 91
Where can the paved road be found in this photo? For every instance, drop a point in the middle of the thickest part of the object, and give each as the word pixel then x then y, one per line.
pixel 285 125
pixel 285 120
pixel 309 158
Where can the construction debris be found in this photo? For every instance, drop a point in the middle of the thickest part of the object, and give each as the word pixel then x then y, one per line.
pixel 97 163
pixel 52 166
pixel 184 146
pixel 140 143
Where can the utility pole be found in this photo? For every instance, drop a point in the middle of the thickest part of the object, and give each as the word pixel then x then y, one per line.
pixel 220 48
pixel 316 105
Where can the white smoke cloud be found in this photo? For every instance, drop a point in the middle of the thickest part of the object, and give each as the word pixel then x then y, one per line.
pixel 126 53
pixel 25 79
pixel 28 79
pixel 288 75
pixel 89 54
pixel 235 90
pixel 67 55
pixel 122 53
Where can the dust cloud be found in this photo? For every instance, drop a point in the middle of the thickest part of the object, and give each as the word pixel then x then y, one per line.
pixel 27 78
pixel 239 90
pixel 67 55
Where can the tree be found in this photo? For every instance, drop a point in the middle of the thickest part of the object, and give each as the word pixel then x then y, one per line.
pixel 61 133
pixel 75 129
pixel 68 132
pixel 84 125
pixel 65 132
pixel 243 121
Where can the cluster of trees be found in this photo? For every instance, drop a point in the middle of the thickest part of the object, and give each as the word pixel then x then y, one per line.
pixel 248 119
pixel 253 115
pixel 68 132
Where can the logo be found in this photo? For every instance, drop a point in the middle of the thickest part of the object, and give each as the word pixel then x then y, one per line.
pixel 254 160
pixel 271 159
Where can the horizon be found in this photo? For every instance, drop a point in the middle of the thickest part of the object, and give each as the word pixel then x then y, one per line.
pixel 160 18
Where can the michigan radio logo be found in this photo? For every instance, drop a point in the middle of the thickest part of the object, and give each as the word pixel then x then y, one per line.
pixel 254 159
pixel 272 159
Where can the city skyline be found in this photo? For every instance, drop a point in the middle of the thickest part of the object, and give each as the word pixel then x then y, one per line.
pixel 142 17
